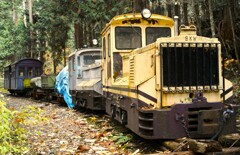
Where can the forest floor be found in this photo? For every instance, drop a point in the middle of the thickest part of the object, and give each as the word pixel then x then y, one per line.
pixel 64 131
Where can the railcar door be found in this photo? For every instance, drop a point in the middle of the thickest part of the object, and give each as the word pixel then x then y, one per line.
pixel 20 77
pixel 13 78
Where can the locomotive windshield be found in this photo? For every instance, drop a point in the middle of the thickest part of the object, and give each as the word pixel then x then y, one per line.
pixel 90 59
pixel 85 59
pixel 128 38
pixel 152 33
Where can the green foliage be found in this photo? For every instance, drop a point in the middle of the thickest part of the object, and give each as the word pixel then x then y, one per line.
pixel 52 27
pixel 97 13
pixel 121 139
pixel 13 36
pixel 1 82
pixel 13 135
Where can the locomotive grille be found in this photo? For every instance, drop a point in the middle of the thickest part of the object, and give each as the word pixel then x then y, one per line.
pixel 131 74
pixel 193 118
pixel 146 123
pixel 190 65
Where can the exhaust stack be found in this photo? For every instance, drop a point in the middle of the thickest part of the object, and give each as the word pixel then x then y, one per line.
pixel 175 25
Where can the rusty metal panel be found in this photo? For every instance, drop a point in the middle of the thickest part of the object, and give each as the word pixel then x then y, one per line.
pixel 209 121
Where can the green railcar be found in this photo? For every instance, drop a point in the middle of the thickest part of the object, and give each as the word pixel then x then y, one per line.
pixel 48 81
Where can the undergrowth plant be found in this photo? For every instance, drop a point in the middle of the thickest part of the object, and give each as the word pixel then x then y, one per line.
pixel 13 134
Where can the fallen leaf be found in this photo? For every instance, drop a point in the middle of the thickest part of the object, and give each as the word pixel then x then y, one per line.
pixel 82 148
pixel 90 140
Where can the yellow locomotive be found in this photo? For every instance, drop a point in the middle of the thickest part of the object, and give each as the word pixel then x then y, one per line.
pixel 162 85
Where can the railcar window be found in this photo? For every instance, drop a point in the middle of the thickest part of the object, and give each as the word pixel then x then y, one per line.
pixel 90 59
pixel 153 33
pixel 73 63
pixel 69 64
pixel 117 66
pixel 6 74
pixel 128 37
pixel 38 71
pixel 30 71
pixel 21 71
pixel 78 66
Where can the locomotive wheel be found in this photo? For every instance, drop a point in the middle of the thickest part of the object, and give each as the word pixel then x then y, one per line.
pixel 58 99
pixel 113 111
pixel 123 117
pixel 50 97
pixel 84 103
pixel 77 102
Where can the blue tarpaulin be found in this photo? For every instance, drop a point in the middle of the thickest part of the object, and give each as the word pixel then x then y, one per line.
pixel 62 86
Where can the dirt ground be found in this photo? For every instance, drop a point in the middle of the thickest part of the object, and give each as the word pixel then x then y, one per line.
pixel 63 131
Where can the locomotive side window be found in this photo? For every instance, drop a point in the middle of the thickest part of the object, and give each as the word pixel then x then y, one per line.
pixel 30 71
pixel 117 66
pixel 109 45
pixel 73 63
pixel 152 33
pixel 70 64
pixel 128 38
pixel 21 71
pixel 104 48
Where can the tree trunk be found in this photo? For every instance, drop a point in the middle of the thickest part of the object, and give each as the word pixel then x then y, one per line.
pixel 211 18
pixel 185 13
pixel 30 11
pixel 81 41
pixel 233 34
pixel 76 35
pixel 204 146
pixel 175 145
pixel 24 15
pixel 196 6
pixel 230 140
pixel 84 25
pixel 90 34
pixel 138 5
pixel 31 33
pixel 14 17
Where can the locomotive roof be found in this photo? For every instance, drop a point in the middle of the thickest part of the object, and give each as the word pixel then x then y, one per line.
pixel 18 61
pixel 82 50
pixel 132 18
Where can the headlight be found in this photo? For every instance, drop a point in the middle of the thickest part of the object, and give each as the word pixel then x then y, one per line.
pixel 146 13
pixel 95 42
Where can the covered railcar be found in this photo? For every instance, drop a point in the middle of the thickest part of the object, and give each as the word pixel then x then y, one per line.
pixel 164 88
pixel 85 78
pixel 18 74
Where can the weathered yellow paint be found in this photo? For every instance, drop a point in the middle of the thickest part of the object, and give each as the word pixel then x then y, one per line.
pixel 26 83
pixel 118 20
pixel 172 98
